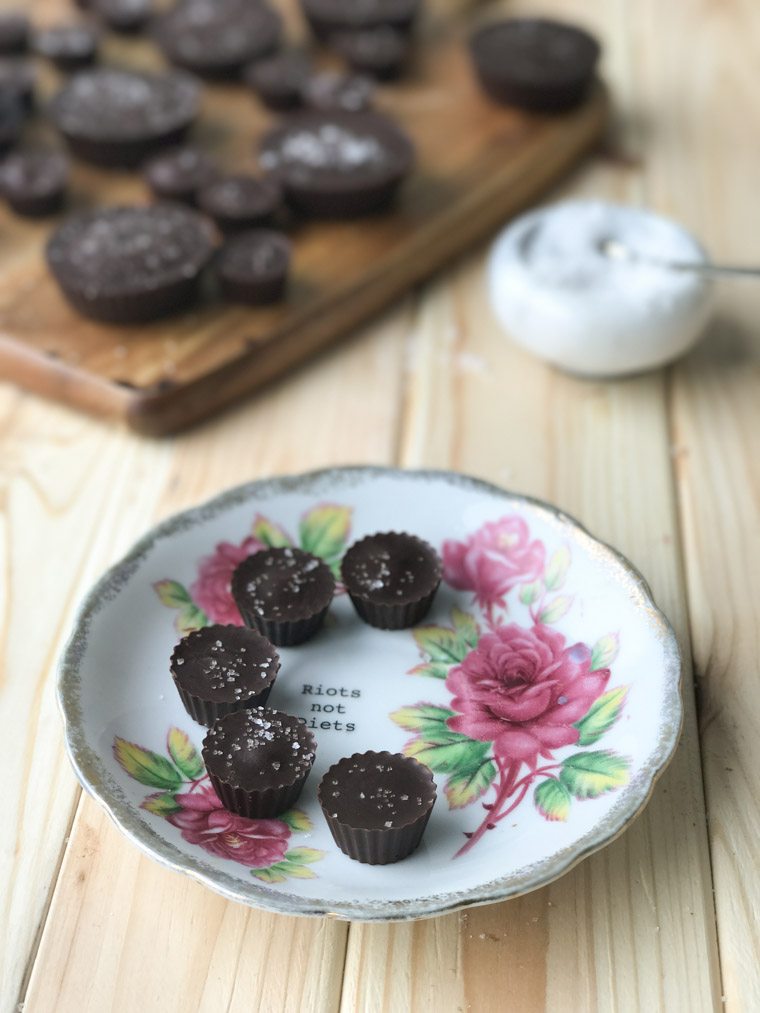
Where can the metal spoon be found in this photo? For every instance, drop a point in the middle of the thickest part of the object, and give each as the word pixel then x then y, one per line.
pixel 617 250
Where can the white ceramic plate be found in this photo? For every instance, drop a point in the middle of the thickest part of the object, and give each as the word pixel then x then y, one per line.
pixel 543 689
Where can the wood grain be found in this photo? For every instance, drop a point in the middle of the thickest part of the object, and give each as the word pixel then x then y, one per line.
pixel 664 466
pixel 206 953
pixel 164 376
pixel 716 444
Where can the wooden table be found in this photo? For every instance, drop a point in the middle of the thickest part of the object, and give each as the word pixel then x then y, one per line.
pixel 665 466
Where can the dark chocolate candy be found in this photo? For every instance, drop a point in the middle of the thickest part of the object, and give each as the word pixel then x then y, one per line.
pixel 258 761
pixel 118 117
pixel 217 38
pixel 130 264
pixel 12 119
pixel 126 16
pixel 329 16
pixel 329 91
pixel 240 202
pixel 539 65
pixel 179 173
pixel 380 52
pixel 18 77
pixel 69 47
pixel 221 669
pixel 14 32
pixel 284 593
pixel 34 182
pixel 279 80
pixel 338 165
pixel 391 578
pixel 377 805
pixel 252 267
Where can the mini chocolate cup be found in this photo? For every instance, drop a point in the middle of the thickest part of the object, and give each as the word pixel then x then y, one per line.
pixel 393 615
pixel 199 701
pixel 551 93
pixel 381 846
pixel 282 631
pixel 266 802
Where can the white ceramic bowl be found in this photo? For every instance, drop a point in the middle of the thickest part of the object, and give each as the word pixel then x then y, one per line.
pixel 588 314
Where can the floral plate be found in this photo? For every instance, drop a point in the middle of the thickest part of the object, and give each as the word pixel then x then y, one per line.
pixel 543 690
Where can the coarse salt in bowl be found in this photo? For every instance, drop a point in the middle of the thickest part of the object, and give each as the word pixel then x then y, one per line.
pixel 557 293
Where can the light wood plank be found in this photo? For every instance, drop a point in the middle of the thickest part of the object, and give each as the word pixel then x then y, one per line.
pixel 123 933
pixel 717 439
pixel 72 497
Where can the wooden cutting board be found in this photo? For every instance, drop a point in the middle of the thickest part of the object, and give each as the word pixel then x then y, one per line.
pixel 478 164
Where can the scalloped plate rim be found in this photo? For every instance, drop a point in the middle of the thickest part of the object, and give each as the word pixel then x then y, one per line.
pixel 81 756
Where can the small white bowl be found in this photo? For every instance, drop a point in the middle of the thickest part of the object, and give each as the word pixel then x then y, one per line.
pixel 558 295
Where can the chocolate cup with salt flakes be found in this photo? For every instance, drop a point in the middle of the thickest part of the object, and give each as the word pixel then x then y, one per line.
pixel 337 164
pixel 377 805
pixel 392 578
pixel 284 593
pixel 117 118
pixel 125 265
pixel 258 761
pixel 218 670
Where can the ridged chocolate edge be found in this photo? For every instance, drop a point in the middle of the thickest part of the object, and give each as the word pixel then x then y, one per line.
pixel 206 712
pixel 252 293
pixel 262 804
pixel 395 616
pixel 135 307
pixel 284 633
pixel 127 153
pixel 379 847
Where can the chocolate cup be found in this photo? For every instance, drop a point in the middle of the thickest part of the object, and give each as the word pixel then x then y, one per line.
pixel 253 289
pixel 393 615
pixel 282 632
pixel 385 845
pixel 87 113
pixel 325 20
pixel 197 696
pixel 332 194
pixel 552 94
pixel 260 803
pixel 135 302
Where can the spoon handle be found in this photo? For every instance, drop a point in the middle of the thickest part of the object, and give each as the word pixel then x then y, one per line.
pixel 711 270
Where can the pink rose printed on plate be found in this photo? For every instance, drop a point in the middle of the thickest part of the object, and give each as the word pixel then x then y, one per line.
pixel 186 800
pixel 323 531
pixel 518 693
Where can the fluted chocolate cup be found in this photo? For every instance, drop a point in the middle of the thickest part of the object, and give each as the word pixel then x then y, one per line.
pixel 258 761
pixel 377 805
pixel 284 593
pixel 392 579
pixel 221 669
